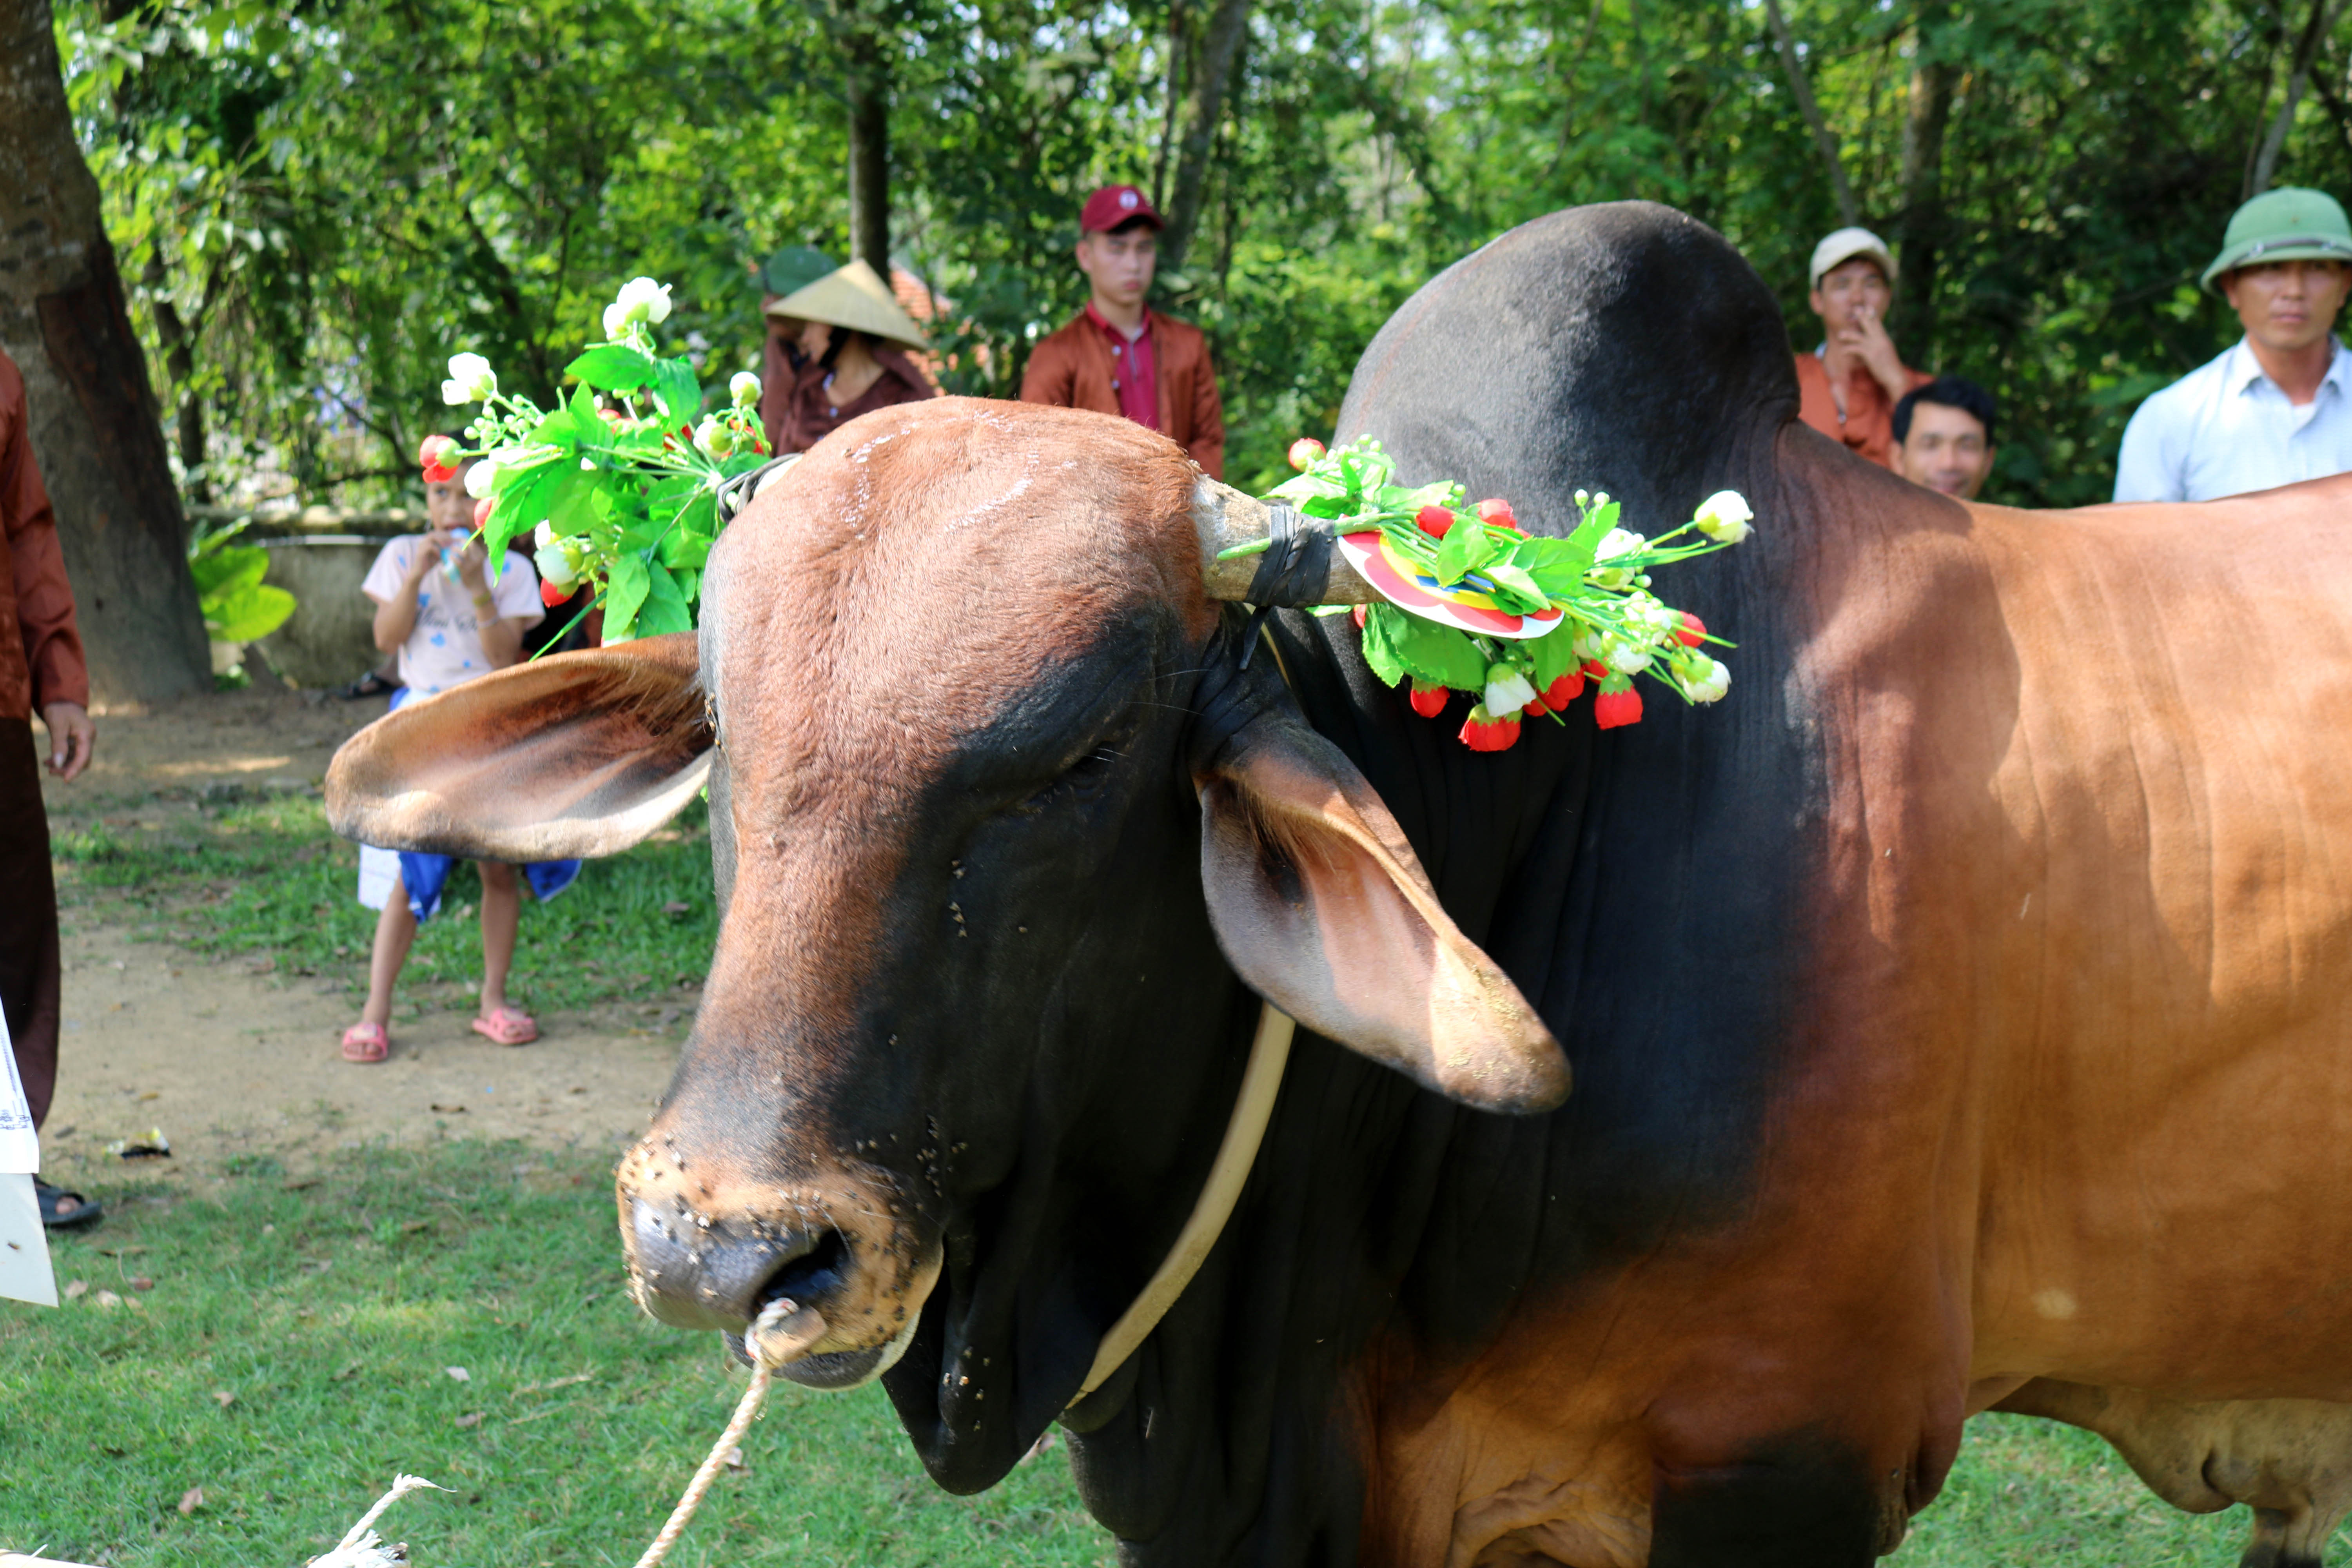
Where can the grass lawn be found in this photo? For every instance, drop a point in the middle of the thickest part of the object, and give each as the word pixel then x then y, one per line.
pixel 292 1351
pixel 245 876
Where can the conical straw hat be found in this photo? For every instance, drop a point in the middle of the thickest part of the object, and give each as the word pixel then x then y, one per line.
pixel 853 296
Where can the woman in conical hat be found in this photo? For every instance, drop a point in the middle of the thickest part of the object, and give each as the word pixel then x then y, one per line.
pixel 854 344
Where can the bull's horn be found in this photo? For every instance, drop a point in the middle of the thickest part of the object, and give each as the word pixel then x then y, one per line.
pixel 1225 518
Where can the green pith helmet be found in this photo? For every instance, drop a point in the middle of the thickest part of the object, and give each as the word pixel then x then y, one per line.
pixel 2286 224
pixel 793 269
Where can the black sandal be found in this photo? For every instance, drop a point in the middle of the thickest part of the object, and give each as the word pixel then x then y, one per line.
pixel 81 1213
pixel 371 684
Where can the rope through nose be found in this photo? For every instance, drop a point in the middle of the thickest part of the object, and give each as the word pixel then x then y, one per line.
pixel 781 1332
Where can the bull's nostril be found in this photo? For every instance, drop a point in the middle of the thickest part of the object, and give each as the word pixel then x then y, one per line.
pixel 810 1278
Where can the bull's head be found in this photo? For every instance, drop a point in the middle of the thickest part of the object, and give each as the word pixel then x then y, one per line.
pixel 998 798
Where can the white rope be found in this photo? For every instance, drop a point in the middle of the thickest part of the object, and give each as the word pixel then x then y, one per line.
pixel 772 1345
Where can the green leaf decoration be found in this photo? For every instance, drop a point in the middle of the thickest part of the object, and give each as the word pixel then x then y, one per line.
pixel 1464 548
pixel 665 609
pixel 1436 652
pixel 1518 590
pixel 523 506
pixel 630 583
pixel 614 367
pixel 1395 498
pixel 1308 486
pixel 1379 648
pixel 1555 654
pixel 677 391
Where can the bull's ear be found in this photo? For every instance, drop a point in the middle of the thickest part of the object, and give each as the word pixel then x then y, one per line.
pixel 573 755
pixel 1321 906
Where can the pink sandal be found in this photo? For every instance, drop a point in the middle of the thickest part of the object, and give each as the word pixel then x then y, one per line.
pixel 507 1026
pixel 366 1042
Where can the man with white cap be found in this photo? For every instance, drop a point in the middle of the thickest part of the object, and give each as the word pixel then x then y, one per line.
pixel 2277 407
pixel 853 361
pixel 1848 387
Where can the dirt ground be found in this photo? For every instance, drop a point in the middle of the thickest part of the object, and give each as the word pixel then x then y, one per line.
pixel 229 1062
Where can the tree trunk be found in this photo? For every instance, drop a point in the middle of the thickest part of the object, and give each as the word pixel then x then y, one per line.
pixel 1923 195
pixel 1824 138
pixel 94 425
pixel 179 344
pixel 1228 25
pixel 869 153
pixel 2324 17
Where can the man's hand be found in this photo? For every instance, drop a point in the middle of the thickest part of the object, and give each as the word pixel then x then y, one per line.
pixel 1875 349
pixel 72 737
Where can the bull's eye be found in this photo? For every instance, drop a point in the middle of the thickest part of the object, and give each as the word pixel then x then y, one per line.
pixel 1086 773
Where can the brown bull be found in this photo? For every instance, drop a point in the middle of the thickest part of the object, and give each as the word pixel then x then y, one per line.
pixel 1959 1012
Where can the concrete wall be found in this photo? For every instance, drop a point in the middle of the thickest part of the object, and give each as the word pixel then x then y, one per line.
pixel 329 640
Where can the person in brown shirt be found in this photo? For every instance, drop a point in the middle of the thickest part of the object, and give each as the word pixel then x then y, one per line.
pixel 1117 356
pixel 1848 387
pixel 851 358
pixel 41 668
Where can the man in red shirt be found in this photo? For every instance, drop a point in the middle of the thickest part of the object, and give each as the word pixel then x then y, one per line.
pixel 1848 387
pixel 1118 357
pixel 41 668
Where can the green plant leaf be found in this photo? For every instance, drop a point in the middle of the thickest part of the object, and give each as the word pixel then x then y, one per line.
pixel 614 367
pixel 249 614
pixel 523 505
pixel 225 571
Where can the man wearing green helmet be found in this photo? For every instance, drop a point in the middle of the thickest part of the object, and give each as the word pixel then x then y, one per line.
pixel 2277 407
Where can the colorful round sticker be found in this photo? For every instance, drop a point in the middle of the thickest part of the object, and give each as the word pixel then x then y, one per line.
pixel 1403 584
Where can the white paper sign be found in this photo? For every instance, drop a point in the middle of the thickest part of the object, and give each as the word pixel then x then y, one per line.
pixel 20 1148
pixel 25 1273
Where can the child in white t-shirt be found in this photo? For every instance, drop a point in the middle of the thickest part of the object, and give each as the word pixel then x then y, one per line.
pixel 436 607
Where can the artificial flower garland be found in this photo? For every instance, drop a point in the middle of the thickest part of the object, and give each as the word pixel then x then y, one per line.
pixel 618 490
pixel 1472 603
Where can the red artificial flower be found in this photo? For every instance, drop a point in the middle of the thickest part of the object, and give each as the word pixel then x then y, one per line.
pixel 1694 630
pixel 431 455
pixel 1594 670
pixel 482 510
pixel 1498 513
pixel 1428 699
pixel 1434 520
pixel 1305 450
pixel 1613 709
pixel 1535 707
pixel 1563 691
pixel 1482 731
pixel 1361 611
pixel 551 595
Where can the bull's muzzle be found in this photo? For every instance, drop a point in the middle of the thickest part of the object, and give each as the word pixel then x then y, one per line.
pixel 711 1251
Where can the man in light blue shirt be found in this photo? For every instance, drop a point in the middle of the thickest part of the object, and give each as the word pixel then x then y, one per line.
pixel 2277 407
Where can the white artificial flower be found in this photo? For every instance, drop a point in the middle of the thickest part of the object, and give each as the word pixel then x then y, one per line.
pixel 616 323
pixel 1706 685
pixel 1723 517
pixel 482 478
pixel 1586 643
pixel 554 564
pixel 543 536
pixel 714 438
pixel 744 389
pixel 456 394
pixel 1618 541
pixel 1625 658
pixel 1507 691
pixel 473 374
pixel 1650 619
pixel 642 300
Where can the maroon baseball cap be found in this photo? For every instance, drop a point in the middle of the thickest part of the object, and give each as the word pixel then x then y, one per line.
pixel 1115 205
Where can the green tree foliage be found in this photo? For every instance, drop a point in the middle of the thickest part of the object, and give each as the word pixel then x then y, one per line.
pixel 323 201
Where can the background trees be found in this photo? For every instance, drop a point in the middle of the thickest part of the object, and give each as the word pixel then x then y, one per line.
pixel 315 204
